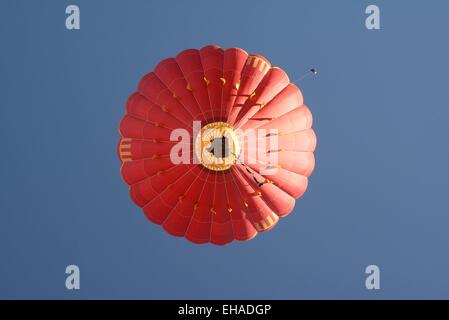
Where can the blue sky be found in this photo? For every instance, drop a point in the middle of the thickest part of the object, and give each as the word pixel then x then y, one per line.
pixel 378 195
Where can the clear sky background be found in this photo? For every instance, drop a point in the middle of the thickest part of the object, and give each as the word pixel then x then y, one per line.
pixel 378 195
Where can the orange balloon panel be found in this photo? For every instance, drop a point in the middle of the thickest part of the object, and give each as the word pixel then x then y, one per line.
pixel 216 145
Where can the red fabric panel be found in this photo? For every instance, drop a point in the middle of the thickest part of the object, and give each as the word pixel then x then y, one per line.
pixel 234 61
pixel 212 61
pixel 273 83
pixel 288 99
pixel 171 75
pixel 255 69
pixel 190 64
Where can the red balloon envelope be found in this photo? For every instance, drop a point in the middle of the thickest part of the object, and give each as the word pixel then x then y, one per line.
pixel 247 154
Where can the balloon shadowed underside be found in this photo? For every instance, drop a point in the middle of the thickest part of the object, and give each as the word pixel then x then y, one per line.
pixel 230 193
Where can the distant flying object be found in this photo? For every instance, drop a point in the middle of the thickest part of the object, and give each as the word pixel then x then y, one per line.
pixel 231 186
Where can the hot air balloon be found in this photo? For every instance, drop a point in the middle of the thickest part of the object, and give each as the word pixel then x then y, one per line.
pixel 224 191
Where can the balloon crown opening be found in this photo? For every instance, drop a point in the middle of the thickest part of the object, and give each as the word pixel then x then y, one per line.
pixel 217 146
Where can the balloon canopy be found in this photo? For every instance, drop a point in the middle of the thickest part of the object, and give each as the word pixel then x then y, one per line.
pixel 216 145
